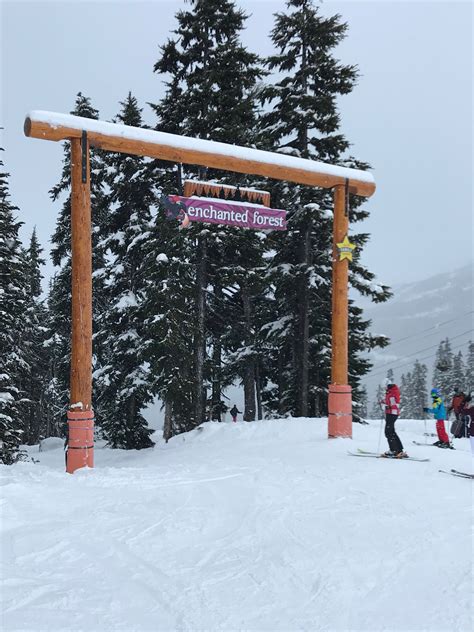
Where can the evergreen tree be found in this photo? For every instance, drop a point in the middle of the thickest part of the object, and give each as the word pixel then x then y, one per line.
pixel 211 95
pixel 124 379
pixel 377 409
pixel 413 392
pixel 362 404
pixel 442 371
pixel 13 300
pixel 303 121
pixel 469 376
pixel 170 321
pixel 57 346
pixel 458 373
pixel 405 396
pixel 419 390
pixel 34 376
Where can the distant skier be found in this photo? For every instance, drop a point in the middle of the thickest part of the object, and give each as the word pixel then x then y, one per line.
pixel 471 430
pixel 468 418
pixel 234 412
pixel 457 403
pixel 439 411
pixel 392 410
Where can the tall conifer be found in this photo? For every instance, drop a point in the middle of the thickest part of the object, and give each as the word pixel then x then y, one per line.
pixel 469 376
pixel 34 376
pixel 303 120
pixel 211 95
pixel 13 301
pixel 123 378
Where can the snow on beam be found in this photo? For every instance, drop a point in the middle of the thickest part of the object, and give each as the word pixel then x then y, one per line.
pixel 195 151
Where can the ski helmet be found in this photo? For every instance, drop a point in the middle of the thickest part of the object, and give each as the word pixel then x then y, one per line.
pixel 434 392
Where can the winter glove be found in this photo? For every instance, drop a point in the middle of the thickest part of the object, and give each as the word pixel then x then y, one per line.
pixel 426 410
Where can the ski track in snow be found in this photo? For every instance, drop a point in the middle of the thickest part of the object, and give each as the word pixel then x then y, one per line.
pixel 252 527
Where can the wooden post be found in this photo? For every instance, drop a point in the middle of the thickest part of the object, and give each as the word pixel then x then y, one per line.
pixel 340 399
pixel 80 417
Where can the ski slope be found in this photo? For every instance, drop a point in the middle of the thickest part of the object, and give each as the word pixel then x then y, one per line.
pixel 263 526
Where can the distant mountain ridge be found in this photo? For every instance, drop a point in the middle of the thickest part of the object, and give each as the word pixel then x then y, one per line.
pixel 418 317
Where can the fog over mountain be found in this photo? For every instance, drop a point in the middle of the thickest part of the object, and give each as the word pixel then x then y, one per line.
pixel 417 318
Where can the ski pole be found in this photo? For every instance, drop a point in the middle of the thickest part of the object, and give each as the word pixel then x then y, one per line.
pixel 380 431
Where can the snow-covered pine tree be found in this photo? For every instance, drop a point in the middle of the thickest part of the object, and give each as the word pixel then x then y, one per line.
pixel 362 408
pixel 469 376
pixel 34 377
pixel 170 322
pixel 123 379
pixel 57 345
pixel 458 374
pixel 13 300
pixel 303 120
pixel 442 369
pixel 419 390
pixel 405 396
pixel 210 95
pixel 377 410
pixel 60 299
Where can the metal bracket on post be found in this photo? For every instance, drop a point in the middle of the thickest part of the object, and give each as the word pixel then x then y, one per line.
pixel 85 149
pixel 346 194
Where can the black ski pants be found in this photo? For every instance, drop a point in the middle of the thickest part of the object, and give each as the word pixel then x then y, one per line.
pixel 393 439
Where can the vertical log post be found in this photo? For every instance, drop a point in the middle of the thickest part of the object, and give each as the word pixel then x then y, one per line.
pixel 80 451
pixel 340 398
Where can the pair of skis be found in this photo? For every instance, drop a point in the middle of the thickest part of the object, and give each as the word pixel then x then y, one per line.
pixel 458 473
pixel 377 455
pixel 432 445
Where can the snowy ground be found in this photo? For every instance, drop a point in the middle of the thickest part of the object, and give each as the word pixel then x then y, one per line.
pixel 250 527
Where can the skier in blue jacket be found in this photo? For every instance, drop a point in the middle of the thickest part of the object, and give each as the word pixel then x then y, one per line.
pixel 438 409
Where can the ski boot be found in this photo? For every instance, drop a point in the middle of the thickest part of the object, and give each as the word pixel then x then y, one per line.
pixel 446 445
pixel 388 455
pixel 401 455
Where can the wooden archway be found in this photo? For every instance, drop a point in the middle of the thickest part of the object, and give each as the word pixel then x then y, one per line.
pixel 82 133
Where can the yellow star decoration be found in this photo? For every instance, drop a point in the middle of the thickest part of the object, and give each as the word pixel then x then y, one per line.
pixel 345 249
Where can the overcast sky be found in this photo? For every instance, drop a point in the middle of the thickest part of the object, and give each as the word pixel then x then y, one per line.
pixel 410 116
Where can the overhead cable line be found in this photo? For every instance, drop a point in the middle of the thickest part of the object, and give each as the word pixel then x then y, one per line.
pixel 435 327
pixel 425 349
pixel 380 370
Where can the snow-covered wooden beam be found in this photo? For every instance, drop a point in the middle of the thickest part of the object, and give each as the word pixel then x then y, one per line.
pixel 163 146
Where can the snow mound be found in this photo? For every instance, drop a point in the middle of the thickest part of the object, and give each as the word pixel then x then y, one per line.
pixel 264 526
pixel 51 443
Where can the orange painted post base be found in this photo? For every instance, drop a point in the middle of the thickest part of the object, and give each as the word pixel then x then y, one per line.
pixel 80 449
pixel 340 411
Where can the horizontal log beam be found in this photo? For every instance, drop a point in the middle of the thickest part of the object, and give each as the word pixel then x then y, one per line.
pixel 163 146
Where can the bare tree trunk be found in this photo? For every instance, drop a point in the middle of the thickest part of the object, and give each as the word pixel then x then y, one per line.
pixel 200 337
pixel 280 384
pixel 216 381
pixel 167 426
pixel 302 361
pixel 258 390
pixel 249 370
pixel 216 410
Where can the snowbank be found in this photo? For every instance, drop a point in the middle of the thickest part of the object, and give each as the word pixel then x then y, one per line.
pixel 261 526
pixel 51 443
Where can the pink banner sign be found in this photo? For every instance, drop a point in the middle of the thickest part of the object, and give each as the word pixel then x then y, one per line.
pixel 226 212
